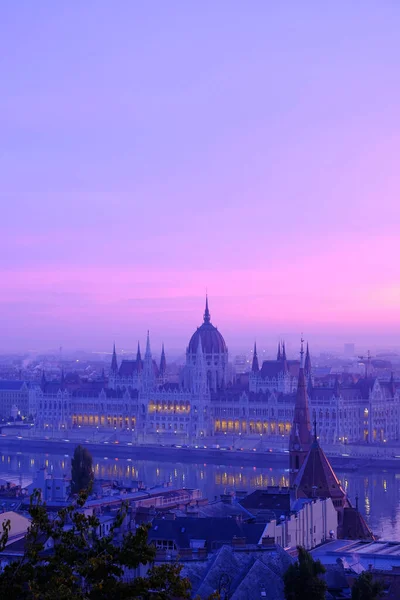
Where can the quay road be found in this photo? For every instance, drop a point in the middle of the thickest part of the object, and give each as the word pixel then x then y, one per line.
pixel 353 459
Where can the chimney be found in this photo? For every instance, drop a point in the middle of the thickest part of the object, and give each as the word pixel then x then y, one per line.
pixel 268 541
pixel 238 542
pixel 185 553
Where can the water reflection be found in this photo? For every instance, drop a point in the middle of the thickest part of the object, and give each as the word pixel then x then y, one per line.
pixel 378 493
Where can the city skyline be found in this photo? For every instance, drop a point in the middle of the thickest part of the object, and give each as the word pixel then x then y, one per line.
pixel 149 155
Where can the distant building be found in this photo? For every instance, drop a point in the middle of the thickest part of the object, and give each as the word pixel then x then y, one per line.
pixel 208 402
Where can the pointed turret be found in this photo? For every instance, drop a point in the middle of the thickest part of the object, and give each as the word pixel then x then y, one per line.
pixel 139 362
pixel 316 478
pixel 279 356
pixel 163 363
pixel 284 361
pixel 300 436
pixel 62 383
pixel 148 367
pixel 114 362
pixel 307 363
pixel 207 316
pixel 254 367
pixel 148 350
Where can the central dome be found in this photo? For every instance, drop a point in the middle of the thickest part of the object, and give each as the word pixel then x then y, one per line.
pixel 212 341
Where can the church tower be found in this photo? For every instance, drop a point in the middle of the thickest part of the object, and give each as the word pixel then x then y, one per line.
pixel 300 436
pixel 255 366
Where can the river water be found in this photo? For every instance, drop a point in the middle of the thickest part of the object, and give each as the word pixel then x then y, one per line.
pixel 378 492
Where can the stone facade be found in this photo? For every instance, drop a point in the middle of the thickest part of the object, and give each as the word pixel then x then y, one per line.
pixel 137 397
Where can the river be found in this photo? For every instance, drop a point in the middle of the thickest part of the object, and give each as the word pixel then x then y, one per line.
pixel 378 492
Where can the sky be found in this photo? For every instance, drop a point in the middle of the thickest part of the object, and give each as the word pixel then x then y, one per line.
pixel 151 151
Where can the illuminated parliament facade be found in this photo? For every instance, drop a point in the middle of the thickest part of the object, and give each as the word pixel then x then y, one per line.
pixel 208 401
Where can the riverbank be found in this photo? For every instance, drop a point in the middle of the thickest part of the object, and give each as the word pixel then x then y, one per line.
pixel 349 461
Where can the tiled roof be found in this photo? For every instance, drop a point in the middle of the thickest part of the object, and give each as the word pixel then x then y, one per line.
pixel 213 530
pixel 316 477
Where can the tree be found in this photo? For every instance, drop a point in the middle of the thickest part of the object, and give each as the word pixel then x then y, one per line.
pixel 81 470
pixel 82 565
pixel 303 578
pixel 364 588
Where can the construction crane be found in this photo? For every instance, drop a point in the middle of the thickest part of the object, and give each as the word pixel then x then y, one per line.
pixel 367 362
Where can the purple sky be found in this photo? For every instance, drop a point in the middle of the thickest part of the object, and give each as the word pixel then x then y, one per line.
pixel 151 150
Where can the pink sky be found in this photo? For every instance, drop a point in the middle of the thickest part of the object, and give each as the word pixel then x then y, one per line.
pixel 152 152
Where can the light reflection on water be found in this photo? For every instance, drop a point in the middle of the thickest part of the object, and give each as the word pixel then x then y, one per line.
pixel 379 493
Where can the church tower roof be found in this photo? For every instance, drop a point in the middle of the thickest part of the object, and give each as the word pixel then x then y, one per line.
pixel 300 435
pixel 301 428
pixel 114 362
pixel 278 356
pixel 316 478
pixel 254 366
pixel 307 362
pixel 163 362
pixel 207 316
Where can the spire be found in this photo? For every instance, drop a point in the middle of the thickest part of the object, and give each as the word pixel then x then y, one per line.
pixel 254 367
pixel 207 316
pixel 148 351
pixel 139 363
pixel 114 362
pixel 307 363
pixel 62 383
pixel 278 356
pixel 163 362
pixel 283 351
pixel 302 354
pixel 300 435
pixel 148 367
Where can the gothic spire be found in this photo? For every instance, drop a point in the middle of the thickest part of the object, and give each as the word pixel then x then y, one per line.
pixel 307 363
pixel 148 351
pixel 254 367
pixel 114 362
pixel 163 362
pixel 283 351
pixel 278 356
pixel 300 435
pixel 207 316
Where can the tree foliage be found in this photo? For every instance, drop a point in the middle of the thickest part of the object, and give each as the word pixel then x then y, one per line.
pixel 303 579
pixel 82 565
pixel 364 588
pixel 81 470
